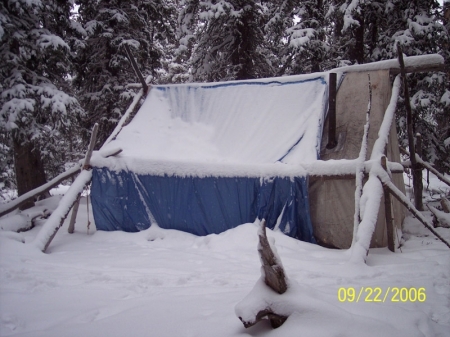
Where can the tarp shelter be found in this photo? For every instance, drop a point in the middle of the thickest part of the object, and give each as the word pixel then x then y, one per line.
pixel 204 158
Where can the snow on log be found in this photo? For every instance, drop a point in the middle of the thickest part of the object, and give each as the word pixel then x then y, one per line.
pixel 16 203
pixel 373 189
pixel 360 167
pixel 421 63
pixel 256 307
pixel 370 204
pixel 105 153
pixel 56 220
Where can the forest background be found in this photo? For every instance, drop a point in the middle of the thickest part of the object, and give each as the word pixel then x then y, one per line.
pixel 63 63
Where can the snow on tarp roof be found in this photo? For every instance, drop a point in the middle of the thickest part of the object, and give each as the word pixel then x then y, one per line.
pixel 239 128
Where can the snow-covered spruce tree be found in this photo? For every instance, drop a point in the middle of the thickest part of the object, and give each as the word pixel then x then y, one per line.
pixel 104 76
pixel 420 30
pixel 228 40
pixel 297 32
pixel 36 107
pixel 368 31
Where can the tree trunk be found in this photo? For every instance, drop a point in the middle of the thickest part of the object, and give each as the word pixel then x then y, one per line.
pixel 357 50
pixel 29 168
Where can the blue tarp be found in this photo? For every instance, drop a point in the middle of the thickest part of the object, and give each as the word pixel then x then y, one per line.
pixel 130 202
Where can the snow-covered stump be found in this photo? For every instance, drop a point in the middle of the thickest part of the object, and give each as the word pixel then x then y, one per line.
pixel 255 307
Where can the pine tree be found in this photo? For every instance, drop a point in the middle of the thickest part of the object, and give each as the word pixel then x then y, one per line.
pixel 104 76
pixel 36 105
pixel 228 40
pixel 298 30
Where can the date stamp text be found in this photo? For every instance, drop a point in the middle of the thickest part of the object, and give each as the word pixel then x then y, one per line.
pixel 377 294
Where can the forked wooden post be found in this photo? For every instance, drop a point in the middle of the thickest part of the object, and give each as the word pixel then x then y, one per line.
pixel 86 165
pixel 388 211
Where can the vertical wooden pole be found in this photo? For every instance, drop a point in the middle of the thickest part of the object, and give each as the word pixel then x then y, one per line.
pixel 388 211
pixel 416 180
pixel 332 141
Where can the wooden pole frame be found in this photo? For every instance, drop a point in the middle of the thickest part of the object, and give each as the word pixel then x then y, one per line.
pixel 86 166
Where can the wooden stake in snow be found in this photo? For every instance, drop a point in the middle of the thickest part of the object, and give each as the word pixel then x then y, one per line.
pixel 56 220
pixel 274 274
pixel 86 165
pixel 274 277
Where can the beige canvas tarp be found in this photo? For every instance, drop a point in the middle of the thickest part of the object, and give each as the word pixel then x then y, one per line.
pixel 332 198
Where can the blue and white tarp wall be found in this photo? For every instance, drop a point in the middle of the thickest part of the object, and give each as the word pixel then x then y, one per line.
pixel 204 158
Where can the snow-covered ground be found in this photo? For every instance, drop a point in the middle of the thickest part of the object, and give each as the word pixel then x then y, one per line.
pixel 169 283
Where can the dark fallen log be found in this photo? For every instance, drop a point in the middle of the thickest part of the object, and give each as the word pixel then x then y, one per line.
pixel 274 277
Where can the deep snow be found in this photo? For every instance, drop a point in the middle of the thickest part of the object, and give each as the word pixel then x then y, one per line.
pixel 169 283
